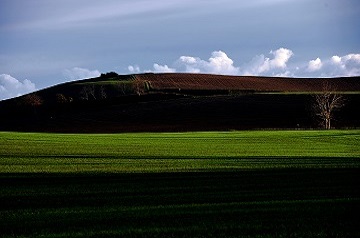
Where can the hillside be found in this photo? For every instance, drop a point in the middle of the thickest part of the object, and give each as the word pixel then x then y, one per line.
pixel 177 102
pixel 246 83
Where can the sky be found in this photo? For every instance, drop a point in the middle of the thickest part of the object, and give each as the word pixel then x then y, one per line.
pixel 43 43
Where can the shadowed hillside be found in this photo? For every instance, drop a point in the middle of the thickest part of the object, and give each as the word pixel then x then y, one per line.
pixel 177 102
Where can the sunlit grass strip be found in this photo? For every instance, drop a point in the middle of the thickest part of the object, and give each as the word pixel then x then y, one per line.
pixel 171 152
pixel 186 145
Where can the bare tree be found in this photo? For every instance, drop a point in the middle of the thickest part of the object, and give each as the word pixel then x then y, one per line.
pixel 102 92
pixel 326 103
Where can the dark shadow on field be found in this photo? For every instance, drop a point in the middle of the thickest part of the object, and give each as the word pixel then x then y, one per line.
pixel 273 202
pixel 167 112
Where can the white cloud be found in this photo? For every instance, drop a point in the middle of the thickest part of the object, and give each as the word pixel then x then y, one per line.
pixel 281 57
pixel 261 65
pixel 80 73
pixel 336 66
pixel 189 60
pixel 192 64
pixel 314 65
pixel 11 87
pixel 156 69
pixel 336 59
pixel 348 65
pixel 284 74
pixel 163 69
pixel 134 69
pixel 218 63
pixel 221 63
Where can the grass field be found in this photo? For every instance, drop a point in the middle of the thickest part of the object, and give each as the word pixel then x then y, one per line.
pixel 169 152
pixel 209 184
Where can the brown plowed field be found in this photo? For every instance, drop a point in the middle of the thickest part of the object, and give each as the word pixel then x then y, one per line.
pixel 182 81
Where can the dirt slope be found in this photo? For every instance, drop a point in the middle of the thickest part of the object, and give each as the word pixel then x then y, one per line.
pixel 176 81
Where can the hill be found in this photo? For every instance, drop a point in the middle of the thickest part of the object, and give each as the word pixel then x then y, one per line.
pixel 177 102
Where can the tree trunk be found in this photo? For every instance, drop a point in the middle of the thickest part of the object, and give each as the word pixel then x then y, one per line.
pixel 328 124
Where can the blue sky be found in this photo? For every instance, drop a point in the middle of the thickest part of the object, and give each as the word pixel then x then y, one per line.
pixel 44 42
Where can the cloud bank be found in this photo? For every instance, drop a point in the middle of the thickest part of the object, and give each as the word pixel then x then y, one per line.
pixel 336 66
pixel 11 87
pixel 348 65
pixel 277 63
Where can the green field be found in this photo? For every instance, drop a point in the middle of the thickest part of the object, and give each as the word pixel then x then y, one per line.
pixel 169 152
pixel 206 184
